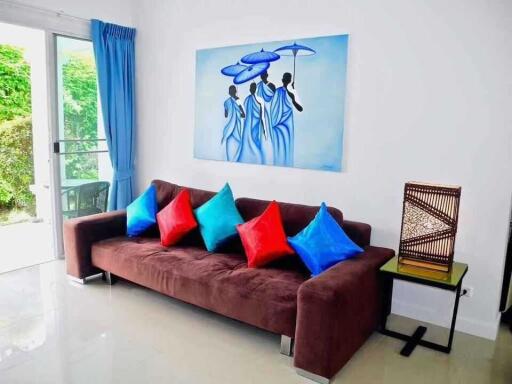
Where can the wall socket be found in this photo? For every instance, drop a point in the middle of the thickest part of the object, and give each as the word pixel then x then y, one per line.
pixel 469 291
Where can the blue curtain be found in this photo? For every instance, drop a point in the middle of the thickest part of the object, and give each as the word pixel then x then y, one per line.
pixel 114 50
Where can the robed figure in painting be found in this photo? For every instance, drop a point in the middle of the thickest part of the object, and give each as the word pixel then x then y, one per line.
pixel 281 116
pixel 232 135
pixel 253 133
pixel 265 90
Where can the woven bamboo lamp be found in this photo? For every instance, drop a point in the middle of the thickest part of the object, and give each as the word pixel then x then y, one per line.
pixel 429 225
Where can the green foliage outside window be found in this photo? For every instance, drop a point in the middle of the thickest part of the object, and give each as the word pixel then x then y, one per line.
pixel 80 115
pixel 16 163
pixel 14 84
pixel 80 122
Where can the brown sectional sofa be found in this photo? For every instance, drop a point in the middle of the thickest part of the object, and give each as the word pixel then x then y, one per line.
pixel 327 318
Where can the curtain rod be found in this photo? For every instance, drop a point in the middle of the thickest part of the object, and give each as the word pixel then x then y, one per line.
pixel 43 10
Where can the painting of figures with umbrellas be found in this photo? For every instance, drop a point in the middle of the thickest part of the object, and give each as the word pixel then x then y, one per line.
pixel 278 103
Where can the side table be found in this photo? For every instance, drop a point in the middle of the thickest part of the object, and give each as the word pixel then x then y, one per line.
pixel 451 281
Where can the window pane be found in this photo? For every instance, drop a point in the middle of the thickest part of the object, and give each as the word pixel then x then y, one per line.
pixel 83 159
pixel 87 194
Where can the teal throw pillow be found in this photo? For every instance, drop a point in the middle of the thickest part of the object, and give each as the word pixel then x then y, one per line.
pixel 141 213
pixel 218 218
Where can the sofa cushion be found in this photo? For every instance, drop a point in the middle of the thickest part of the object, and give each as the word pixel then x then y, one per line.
pixel 141 213
pixel 263 237
pixel 166 192
pixel 294 216
pixel 323 243
pixel 218 218
pixel 266 298
pixel 176 219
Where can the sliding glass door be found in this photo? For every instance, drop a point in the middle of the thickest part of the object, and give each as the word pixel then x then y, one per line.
pixel 54 128
pixel 25 194
pixel 82 155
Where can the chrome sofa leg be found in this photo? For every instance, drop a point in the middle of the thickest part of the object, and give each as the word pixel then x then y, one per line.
pixel 286 345
pixel 311 376
pixel 77 280
pixel 109 278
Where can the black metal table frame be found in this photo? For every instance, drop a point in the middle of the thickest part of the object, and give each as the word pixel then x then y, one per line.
pixel 416 338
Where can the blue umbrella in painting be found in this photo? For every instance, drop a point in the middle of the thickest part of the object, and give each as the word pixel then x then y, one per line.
pixel 260 57
pixel 251 72
pixel 233 70
pixel 295 50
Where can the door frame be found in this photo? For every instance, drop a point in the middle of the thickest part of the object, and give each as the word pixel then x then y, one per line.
pixel 53 134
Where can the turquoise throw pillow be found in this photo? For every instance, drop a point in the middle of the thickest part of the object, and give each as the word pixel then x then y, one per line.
pixel 141 213
pixel 218 218
pixel 323 243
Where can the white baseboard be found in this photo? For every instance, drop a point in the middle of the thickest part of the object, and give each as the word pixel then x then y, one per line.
pixel 487 330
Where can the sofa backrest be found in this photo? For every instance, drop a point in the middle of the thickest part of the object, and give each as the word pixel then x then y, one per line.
pixel 166 191
pixel 295 216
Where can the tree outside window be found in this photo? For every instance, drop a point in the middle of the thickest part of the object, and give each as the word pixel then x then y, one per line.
pixel 80 122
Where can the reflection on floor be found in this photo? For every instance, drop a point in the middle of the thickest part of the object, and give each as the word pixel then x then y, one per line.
pixel 55 331
pixel 25 244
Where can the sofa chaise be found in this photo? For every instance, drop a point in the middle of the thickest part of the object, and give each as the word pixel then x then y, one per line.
pixel 322 320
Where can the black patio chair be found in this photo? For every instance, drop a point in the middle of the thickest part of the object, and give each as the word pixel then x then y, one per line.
pixel 85 199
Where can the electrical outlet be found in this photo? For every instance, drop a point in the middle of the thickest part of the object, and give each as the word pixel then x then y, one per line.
pixel 469 291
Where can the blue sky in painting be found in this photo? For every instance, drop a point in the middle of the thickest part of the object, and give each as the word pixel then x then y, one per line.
pixel 320 83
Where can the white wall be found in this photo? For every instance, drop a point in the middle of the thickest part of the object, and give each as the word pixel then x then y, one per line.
pixel 428 99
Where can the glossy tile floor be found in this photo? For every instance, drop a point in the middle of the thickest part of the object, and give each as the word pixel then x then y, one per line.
pixel 37 250
pixel 56 331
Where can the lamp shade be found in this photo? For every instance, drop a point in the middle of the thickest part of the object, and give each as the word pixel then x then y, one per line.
pixel 429 225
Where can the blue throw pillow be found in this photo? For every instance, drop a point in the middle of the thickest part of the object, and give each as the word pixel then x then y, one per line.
pixel 141 213
pixel 218 218
pixel 323 243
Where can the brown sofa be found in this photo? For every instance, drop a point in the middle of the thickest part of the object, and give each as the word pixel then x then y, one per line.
pixel 327 318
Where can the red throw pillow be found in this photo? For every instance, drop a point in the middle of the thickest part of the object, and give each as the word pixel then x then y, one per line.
pixel 263 237
pixel 176 219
